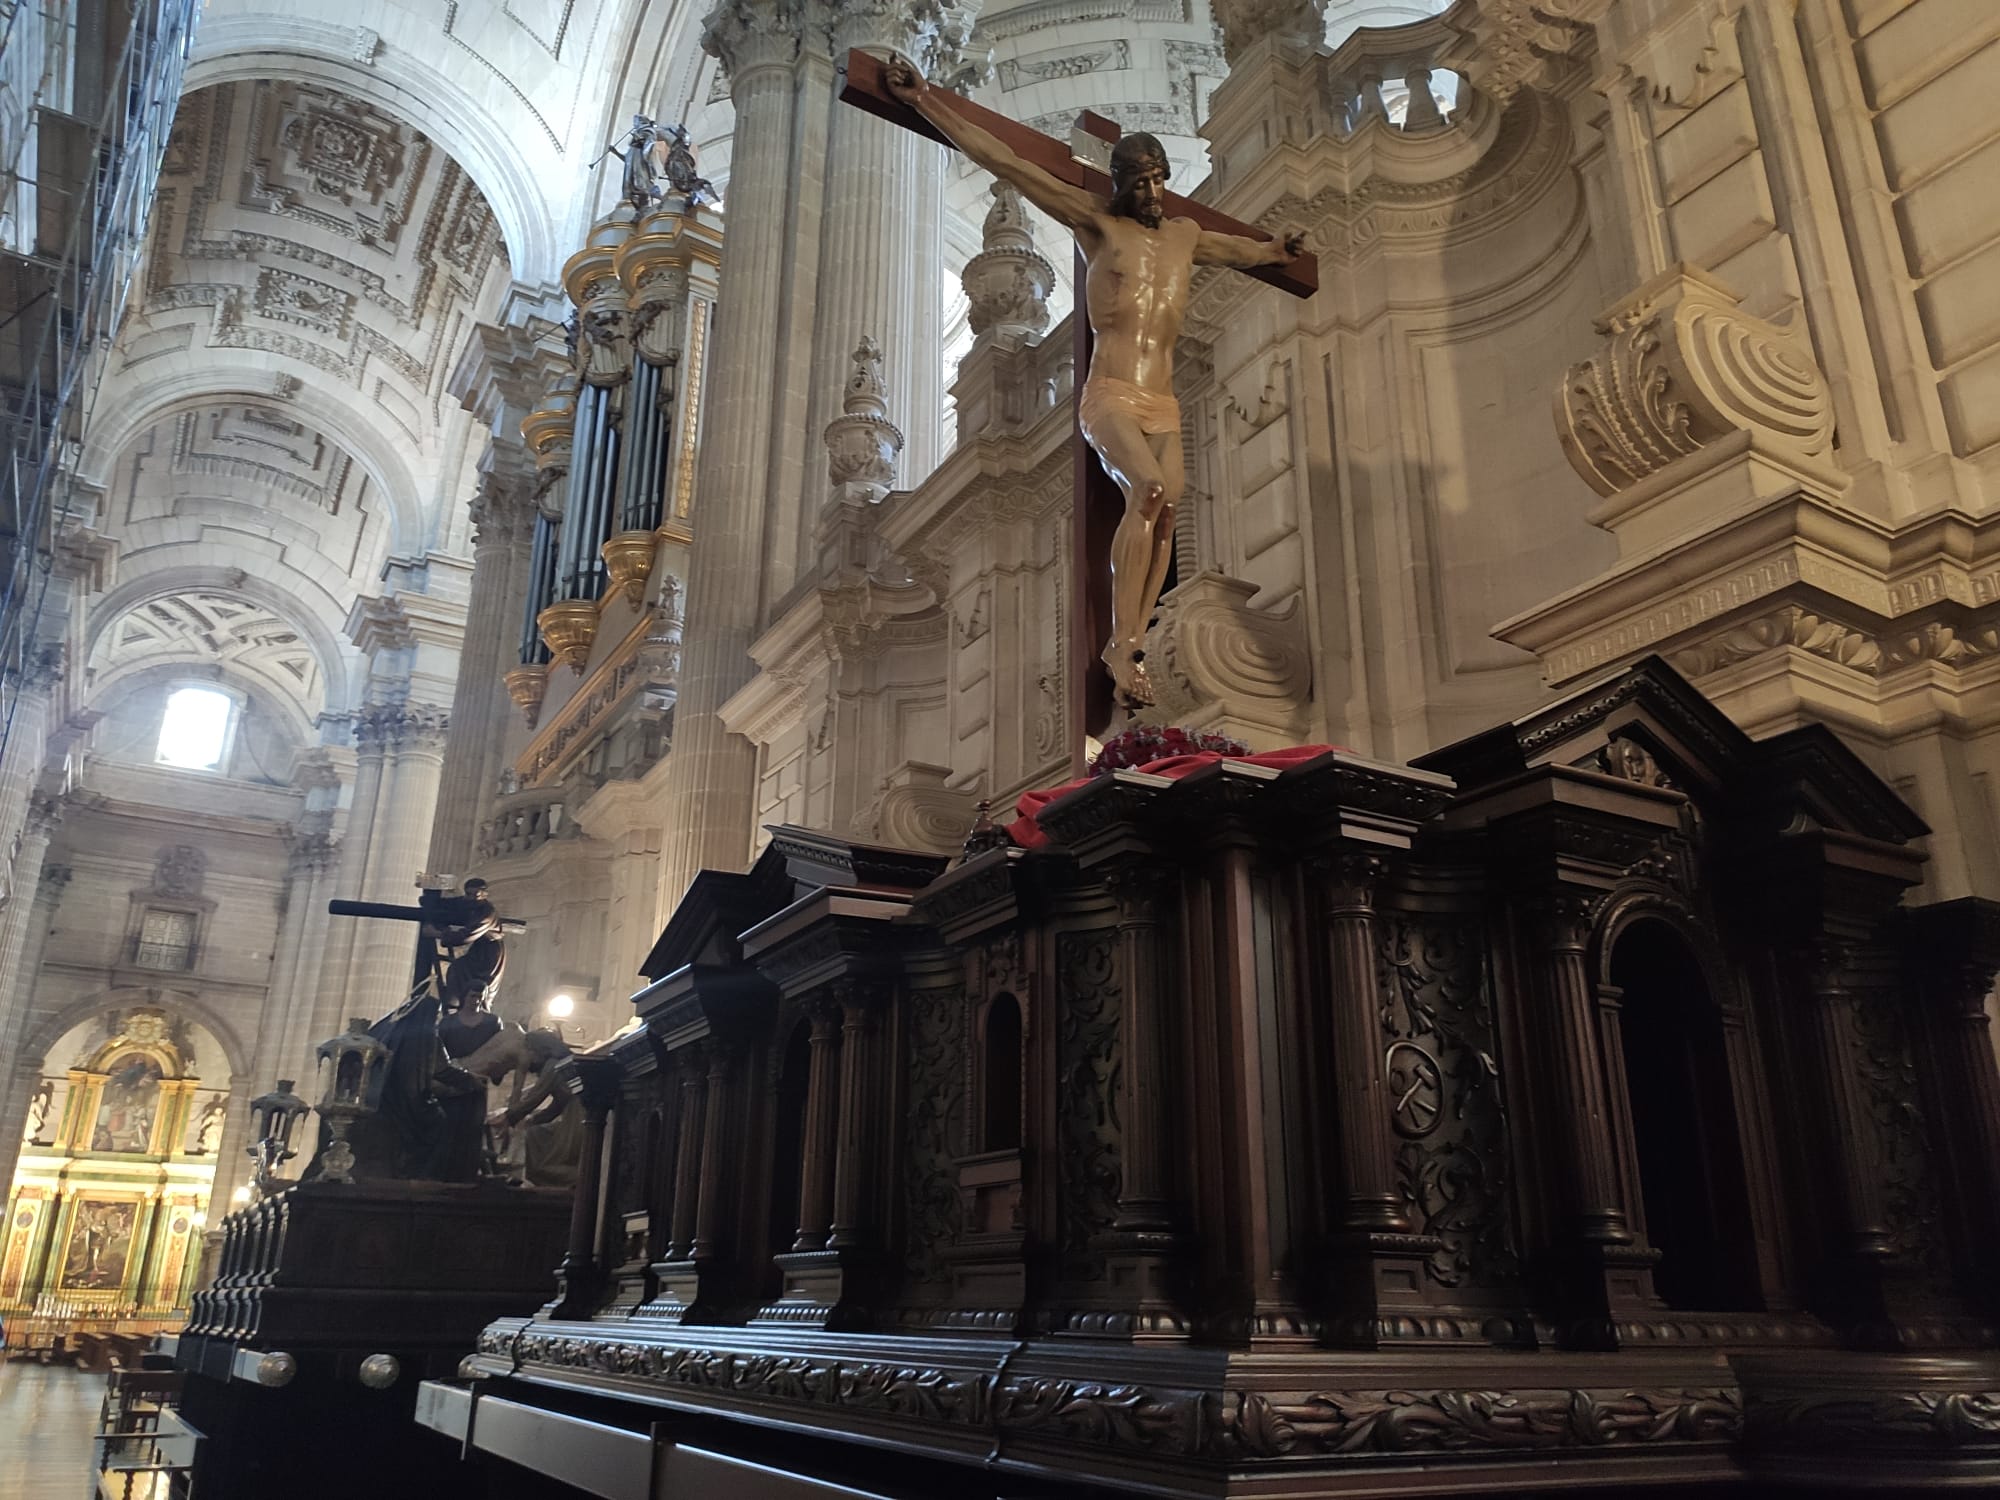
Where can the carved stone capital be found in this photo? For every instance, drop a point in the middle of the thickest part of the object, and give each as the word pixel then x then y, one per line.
pixel 314 852
pixel 402 726
pixel 503 506
pixel 1684 366
pixel 749 35
pixel 45 813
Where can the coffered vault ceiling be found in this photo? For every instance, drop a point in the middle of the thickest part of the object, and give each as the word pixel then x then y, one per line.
pixel 211 628
pixel 307 236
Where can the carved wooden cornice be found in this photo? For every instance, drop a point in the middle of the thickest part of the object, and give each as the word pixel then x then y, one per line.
pixel 1099 1401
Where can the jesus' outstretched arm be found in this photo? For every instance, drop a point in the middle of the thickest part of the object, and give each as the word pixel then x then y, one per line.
pixel 1072 206
pixel 1242 253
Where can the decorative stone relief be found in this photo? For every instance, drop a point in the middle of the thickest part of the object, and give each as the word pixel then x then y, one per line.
pixel 1685 366
pixel 1293 25
pixel 863 444
pixel 179 870
pixel 1009 281
pixel 1690 60
pixel 1218 658
pixel 1526 43
pixel 1040 67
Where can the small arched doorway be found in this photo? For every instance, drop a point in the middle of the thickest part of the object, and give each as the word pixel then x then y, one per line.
pixel 1001 1085
pixel 1686 1141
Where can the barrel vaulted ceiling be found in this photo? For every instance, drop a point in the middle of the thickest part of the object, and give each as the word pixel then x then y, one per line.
pixel 299 224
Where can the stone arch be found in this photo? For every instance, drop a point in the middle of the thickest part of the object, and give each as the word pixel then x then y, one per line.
pixel 52 1028
pixel 106 692
pixel 261 45
pixel 166 391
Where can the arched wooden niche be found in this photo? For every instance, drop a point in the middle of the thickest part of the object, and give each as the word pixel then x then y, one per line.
pixel 1000 1092
pixel 1686 1138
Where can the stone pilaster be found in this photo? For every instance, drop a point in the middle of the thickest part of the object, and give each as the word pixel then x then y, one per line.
pixel 503 517
pixel 711 777
pixel 17 984
pixel 412 738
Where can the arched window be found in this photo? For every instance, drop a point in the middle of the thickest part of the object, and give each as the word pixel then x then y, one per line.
pixel 194 730
pixel 1684 1130
pixel 1002 1084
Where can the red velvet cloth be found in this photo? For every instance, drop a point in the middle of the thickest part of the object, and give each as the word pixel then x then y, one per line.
pixel 1027 832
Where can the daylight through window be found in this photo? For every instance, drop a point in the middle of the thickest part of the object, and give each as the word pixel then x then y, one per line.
pixel 195 728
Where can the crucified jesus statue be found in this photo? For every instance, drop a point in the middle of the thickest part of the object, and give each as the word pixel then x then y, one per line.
pixel 1139 267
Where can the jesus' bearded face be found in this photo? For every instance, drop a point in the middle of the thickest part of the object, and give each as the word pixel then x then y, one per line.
pixel 1139 179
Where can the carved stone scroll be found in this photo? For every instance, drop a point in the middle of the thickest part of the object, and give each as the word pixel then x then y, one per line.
pixel 1686 365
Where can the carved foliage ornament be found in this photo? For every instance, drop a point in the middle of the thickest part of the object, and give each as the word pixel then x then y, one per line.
pixel 1685 366
pixel 1157 1420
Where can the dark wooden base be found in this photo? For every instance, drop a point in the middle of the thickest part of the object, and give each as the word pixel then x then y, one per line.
pixel 324 1276
pixel 1191 1421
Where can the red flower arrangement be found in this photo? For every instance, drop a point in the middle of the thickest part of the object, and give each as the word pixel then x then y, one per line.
pixel 1143 744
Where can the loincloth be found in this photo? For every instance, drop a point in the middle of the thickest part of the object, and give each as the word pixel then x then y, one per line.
pixel 1104 396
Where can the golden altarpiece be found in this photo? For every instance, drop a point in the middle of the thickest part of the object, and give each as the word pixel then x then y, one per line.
pixel 104 1230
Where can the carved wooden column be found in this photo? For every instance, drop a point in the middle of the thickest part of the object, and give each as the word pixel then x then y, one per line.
pixel 1145 1211
pixel 1375 1264
pixel 862 1091
pixel 710 1232
pixel 1957 946
pixel 816 1165
pixel 1368 1198
pixel 580 1273
pixel 1145 1238
pixel 687 1153
pixel 1859 1246
pixel 1586 1274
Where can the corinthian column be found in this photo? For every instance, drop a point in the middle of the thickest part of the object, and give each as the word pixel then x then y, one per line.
pixel 503 518
pixel 882 245
pixel 412 736
pixel 711 778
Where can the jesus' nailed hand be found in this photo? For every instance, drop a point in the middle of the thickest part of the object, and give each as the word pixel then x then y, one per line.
pixel 1135 294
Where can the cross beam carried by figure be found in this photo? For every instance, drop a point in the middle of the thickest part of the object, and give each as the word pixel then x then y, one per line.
pixel 1137 247
pixel 429 1121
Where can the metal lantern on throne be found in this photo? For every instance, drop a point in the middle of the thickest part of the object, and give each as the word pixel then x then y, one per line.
pixel 352 1068
pixel 274 1117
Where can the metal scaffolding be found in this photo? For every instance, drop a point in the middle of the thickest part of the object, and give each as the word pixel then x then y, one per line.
pixel 88 90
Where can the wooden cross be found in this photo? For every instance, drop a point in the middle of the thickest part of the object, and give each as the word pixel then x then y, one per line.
pixel 1098 504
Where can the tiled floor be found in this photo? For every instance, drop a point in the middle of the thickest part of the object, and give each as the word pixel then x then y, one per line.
pixel 47 1416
